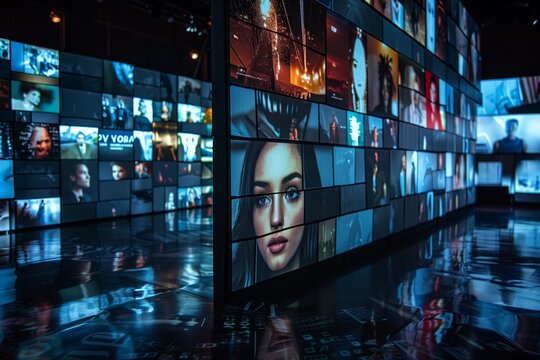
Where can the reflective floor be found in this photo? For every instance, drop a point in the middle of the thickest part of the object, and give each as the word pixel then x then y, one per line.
pixel 141 289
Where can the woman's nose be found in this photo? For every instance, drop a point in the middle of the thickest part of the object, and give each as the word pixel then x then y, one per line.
pixel 276 221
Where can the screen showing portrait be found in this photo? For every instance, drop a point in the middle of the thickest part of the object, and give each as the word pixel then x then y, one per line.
pixel 390 133
pixel 441 32
pixel 374 132
pixel 164 111
pixel 143 114
pixel 382 79
pixel 26 96
pixel 79 181
pixel 412 107
pixel 36 141
pixel 398 174
pixel 508 134
pixel 433 111
pixel 415 21
pixel 115 170
pixel 431 26
pixel 346 65
pixel 377 177
pixel 78 143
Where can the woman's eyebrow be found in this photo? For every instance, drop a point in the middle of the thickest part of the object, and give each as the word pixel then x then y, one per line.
pixel 291 176
pixel 262 184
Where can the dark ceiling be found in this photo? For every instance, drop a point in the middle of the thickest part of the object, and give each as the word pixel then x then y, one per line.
pixel 509 40
pixel 154 33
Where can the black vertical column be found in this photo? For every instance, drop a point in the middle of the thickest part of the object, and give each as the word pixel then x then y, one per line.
pixel 220 104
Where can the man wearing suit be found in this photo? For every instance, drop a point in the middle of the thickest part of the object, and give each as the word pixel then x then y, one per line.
pixel 79 180
pixel 81 150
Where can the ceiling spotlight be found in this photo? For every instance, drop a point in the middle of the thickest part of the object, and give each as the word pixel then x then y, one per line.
pixel 535 21
pixel 55 17
pixel 194 55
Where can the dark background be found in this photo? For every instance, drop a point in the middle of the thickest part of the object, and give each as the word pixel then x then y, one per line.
pixel 509 40
pixel 146 33
pixel 153 33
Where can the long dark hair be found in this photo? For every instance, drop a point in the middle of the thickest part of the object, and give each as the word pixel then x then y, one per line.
pixel 243 257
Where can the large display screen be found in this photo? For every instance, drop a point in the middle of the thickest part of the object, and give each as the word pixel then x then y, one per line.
pixel 510 96
pixel 337 138
pixel 508 134
pixel 82 138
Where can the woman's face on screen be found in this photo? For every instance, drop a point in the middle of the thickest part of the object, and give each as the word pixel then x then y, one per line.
pixel 359 72
pixel 279 203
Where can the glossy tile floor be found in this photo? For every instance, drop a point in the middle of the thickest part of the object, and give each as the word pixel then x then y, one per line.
pixel 141 289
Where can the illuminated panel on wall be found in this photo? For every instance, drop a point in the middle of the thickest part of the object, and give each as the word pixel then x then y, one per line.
pixel 336 139
pixel 82 138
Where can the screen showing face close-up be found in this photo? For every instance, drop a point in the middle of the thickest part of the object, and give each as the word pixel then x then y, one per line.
pixel 336 139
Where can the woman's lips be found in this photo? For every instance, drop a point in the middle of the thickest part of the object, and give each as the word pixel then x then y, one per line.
pixel 277 244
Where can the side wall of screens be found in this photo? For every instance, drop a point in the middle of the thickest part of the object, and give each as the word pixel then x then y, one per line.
pixel 82 138
pixel 336 139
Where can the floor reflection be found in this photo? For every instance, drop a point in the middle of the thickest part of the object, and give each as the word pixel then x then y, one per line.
pixel 141 289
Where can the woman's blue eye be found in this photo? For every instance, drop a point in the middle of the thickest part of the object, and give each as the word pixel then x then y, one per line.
pixel 262 201
pixel 292 194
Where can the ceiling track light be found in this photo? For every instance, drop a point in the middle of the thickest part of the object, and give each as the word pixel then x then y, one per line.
pixel 194 55
pixel 55 16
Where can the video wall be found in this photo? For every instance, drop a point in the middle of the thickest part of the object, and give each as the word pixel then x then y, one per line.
pixel 338 139
pixel 82 138
pixel 509 136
